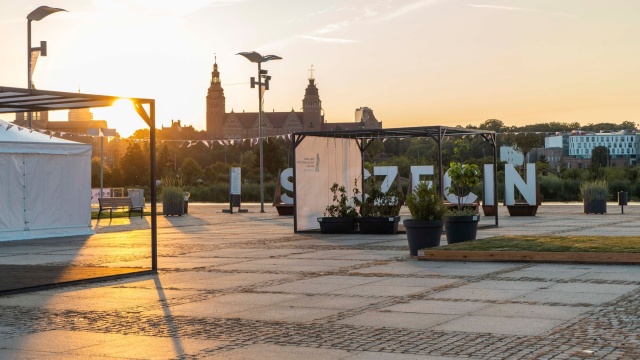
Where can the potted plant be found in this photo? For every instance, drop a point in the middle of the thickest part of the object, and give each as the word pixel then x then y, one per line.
pixel 380 211
pixel 594 196
pixel 461 223
pixel 424 229
pixel 340 217
pixel 172 197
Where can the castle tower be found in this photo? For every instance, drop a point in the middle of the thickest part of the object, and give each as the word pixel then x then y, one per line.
pixel 311 106
pixel 215 105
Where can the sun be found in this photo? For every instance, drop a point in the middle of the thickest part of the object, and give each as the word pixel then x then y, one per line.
pixel 121 116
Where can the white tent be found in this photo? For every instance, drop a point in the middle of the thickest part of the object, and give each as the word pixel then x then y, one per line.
pixel 45 185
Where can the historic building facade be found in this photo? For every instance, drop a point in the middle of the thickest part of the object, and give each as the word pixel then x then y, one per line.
pixel 241 125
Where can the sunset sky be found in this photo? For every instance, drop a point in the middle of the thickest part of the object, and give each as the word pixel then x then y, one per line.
pixel 424 62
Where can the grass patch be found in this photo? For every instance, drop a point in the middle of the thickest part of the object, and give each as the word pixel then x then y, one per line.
pixel 121 214
pixel 611 244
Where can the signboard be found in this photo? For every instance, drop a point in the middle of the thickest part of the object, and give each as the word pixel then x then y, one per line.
pixel 95 194
pixel 234 179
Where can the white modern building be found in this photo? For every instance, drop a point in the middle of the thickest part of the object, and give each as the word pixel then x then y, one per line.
pixel 621 144
pixel 511 156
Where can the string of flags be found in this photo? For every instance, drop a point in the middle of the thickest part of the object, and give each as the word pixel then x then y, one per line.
pixel 183 143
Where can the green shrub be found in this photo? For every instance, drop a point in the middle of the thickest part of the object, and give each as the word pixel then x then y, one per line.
pixel 424 203
pixel 594 190
pixel 619 185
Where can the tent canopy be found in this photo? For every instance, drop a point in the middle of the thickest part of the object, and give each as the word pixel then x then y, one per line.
pixel 14 100
pixel 310 159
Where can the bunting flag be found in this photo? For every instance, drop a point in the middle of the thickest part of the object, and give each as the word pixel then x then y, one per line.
pixel 9 126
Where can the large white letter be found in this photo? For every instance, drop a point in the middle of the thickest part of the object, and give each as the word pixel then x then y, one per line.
pixel 513 180
pixel 286 185
pixel 416 171
pixel 470 198
pixel 487 194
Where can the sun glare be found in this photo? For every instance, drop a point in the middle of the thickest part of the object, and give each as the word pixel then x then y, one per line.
pixel 122 117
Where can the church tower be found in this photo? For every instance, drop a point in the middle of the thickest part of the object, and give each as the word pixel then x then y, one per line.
pixel 311 106
pixel 215 105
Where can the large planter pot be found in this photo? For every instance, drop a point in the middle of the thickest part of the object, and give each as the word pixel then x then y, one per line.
pixel 284 209
pixel 423 234
pixel 172 209
pixel 595 207
pixel 461 228
pixel 522 210
pixel 378 225
pixel 338 225
pixel 489 210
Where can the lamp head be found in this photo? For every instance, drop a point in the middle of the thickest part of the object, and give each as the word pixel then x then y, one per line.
pixel 257 58
pixel 42 12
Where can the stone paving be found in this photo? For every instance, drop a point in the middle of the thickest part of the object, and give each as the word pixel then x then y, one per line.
pixel 244 286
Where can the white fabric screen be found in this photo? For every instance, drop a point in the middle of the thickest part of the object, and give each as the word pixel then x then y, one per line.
pixel 320 162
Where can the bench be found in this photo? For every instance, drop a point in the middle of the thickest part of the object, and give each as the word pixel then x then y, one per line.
pixel 474 205
pixel 115 203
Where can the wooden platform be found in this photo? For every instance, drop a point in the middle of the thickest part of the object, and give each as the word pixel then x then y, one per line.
pixel 530 256
pixel 18 278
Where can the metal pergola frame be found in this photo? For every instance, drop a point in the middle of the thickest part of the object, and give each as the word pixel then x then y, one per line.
pixel 14 100
pixel 364 138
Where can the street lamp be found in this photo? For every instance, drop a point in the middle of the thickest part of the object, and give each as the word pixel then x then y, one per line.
pixel 262 74
pixel 37 15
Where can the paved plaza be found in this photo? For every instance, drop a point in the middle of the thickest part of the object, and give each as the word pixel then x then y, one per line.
pixel 244 286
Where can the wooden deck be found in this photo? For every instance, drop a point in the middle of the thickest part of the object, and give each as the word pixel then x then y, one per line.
pixel 17 278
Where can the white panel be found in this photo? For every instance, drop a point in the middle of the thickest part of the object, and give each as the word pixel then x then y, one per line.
pixel 11 197
pixel 489 181
pixel 320 162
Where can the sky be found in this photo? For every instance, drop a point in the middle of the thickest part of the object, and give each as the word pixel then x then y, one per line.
pixel 414 62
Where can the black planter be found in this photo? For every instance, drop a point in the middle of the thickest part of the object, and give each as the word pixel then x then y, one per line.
pixel 522 210
pixel 338 225
pixel 378 225
pixel 461 228
pixel 595 207
pixel 172 209
pixel 423 234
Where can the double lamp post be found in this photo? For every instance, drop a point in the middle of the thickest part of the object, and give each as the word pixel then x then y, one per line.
pixel 262 86
pixel 37 15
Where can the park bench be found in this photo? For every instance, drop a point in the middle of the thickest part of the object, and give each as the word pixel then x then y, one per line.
pixel 115 203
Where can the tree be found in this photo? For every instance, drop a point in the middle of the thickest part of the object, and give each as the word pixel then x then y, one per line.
pixel 493 125
pixel 190 171
pixel 600 156
pixel 134 165
pixel 525 142
pixel 165 162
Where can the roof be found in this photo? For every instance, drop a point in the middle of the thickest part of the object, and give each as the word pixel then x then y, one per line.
pixel 23 100
pixel 276 118
pixel 17 140
pixel 408 132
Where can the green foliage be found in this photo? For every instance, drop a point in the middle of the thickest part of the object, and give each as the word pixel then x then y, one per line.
pixel 135 165
pixel 172 189
pixel 525 142
pixel 600 156
pixel 424 203
pixel 463 177
pixel 379 203
pixel 594 190
pixel 618 185
pixel 342 204
pixel 190 171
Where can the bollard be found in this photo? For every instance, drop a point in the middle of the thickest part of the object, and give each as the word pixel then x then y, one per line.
pixel 623 198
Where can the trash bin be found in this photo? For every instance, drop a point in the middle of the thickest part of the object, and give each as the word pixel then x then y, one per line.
pixel 186 201
pixel 623 198
pixel 137 197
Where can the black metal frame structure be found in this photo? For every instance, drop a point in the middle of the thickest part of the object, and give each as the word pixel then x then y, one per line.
pixel 364 138
pixel 14 100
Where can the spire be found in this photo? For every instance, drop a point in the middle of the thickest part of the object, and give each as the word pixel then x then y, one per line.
pixel 215 74
pixel 311 73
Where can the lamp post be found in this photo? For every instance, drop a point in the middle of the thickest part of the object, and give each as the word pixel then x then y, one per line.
pixel 262 74
pixel 37 15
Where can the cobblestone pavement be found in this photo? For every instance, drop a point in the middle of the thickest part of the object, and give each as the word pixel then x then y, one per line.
pixel 243 286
